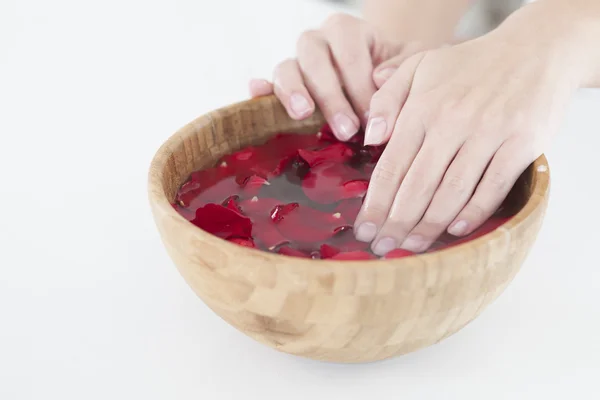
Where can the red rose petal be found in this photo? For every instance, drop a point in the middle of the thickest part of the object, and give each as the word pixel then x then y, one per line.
pixel 210 192
pixel 242 242
pixel 280 211
pixel 281 165
pixel 398 253
pixel 240 160
pixel 337 152
pixel 222 222
pixel 328 251
pixel 231 203
pixel 289 251
pixel 303 170
pixel 253 184
pixel 355 189
pixel 324 183
pixel 354 255
pixel 244 154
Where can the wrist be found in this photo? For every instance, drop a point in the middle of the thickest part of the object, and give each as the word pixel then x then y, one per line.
pixel 429 22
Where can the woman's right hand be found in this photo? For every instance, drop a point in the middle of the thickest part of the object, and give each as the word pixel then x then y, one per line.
pixel 336 68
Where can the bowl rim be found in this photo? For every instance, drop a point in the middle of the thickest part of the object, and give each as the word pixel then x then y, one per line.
pixel 157 196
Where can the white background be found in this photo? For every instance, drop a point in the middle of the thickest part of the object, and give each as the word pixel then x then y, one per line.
pixel 91 307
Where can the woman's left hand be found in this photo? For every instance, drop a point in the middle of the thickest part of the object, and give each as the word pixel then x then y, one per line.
pixel 463 123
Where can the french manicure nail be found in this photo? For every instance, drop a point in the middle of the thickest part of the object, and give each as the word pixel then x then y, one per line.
pixel 366 232
pixel 299 105
pixel 384 246
pixel 375 132
pixel 459 228
pixel 344 126
pixel 414 243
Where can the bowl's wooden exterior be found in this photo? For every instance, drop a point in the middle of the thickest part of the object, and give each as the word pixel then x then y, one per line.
pixel 343 311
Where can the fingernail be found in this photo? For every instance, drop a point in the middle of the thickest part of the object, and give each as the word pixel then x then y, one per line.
pixel 375 132
pixel 414 243
pixel 344 126
pixel 366 232
pixel 384 246
pixel 386 73
pixel 459 228
pixel 299 105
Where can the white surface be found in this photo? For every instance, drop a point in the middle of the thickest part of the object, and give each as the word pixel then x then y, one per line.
pixel 91 306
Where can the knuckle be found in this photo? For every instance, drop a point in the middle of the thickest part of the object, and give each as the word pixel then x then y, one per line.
pixel 418 185
pixel 338 21
pixel 455 184
pixel 307 40
pixel 386 171
pixel 498 181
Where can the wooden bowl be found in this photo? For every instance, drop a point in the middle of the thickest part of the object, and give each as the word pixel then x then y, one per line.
pixel 341 311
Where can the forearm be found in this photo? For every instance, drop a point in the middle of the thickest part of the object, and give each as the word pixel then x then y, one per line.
pixel 571 26
pixel 432 22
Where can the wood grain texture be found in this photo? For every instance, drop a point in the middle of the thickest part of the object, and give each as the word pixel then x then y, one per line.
pixel 341 311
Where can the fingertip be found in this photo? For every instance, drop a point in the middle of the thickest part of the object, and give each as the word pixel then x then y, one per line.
pixel 344 126
pixel 459 228
pixel 260 87
pixel 366 232
pixel 415 243
pixel 376 132
pixel 301 106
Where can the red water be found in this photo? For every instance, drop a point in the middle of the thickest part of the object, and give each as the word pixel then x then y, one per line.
pixel 296 195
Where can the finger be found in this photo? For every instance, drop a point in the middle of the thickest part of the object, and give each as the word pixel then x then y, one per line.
pixel 386 69
pixel 388 174
pixel 508 164
pixel 457 187
pixel 352 58
pixel 260 87
pixel 289 88
pixel 417 190
pixel 388 101
pixel 324 85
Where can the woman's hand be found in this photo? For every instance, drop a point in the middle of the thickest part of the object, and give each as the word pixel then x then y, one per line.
pixel 463 123
pixel 336 68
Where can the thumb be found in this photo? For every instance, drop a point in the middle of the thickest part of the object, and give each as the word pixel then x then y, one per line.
pixel 386 69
